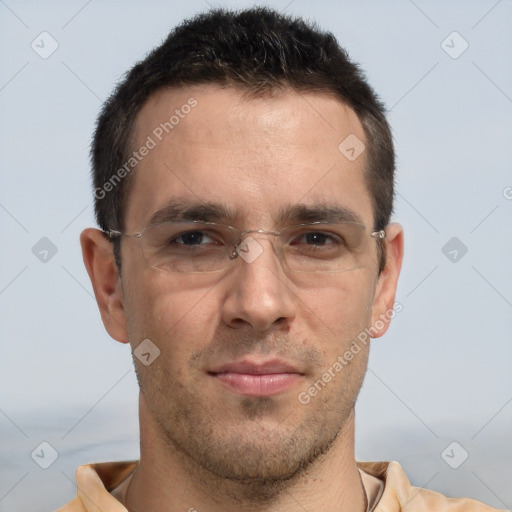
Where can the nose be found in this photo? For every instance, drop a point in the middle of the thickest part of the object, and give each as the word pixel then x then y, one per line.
pixel 258 293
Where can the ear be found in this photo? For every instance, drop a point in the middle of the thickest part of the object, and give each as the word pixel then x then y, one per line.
pixel 98 255
pixel 384 300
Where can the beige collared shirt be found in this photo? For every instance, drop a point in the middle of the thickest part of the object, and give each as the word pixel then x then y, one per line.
pixel 386 485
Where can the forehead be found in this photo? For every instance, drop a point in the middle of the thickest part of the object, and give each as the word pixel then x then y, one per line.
pixel 256 155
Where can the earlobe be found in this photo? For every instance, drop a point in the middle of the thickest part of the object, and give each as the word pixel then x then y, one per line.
pixel 100 264
pixel 384 307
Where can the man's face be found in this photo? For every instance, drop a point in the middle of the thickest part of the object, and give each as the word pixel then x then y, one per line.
pixel 257 157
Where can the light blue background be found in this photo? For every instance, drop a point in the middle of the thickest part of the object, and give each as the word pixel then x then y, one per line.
pixel 443 371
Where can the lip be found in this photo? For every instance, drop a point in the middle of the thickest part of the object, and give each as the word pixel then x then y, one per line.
pixel 256 368
pixel 252 378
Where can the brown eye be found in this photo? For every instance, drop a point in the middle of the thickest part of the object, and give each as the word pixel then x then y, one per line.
pixel 189 238
pixel 316 238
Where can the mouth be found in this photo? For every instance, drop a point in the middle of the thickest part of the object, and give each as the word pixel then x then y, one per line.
pixel 257 379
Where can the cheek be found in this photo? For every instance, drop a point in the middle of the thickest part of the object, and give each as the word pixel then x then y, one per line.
pixel 177 315
pixel 341 308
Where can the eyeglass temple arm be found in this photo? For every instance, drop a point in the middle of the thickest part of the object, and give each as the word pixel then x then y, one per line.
pixel 112 233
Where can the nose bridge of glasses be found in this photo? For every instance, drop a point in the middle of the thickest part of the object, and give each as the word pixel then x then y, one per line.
pixel 243 245
pixel 244 235
pixel 259 231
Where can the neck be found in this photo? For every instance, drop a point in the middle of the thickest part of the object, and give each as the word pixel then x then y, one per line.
pixel 167 479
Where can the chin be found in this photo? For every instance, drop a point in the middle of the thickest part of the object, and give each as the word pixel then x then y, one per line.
pixel 258 452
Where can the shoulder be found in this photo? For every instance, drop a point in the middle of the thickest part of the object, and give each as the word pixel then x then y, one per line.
pixel 94 484
pixel 399 494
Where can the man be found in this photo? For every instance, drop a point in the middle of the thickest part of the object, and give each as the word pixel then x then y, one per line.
pixel 244 184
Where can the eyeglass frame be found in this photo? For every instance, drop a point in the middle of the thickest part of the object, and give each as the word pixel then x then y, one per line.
pixel 113 233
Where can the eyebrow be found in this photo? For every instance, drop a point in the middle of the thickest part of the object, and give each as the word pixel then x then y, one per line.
pixel 189 210
pixel 179 210
pixel 318 212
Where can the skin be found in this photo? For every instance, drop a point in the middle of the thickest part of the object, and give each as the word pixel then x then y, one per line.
pixel 204 446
